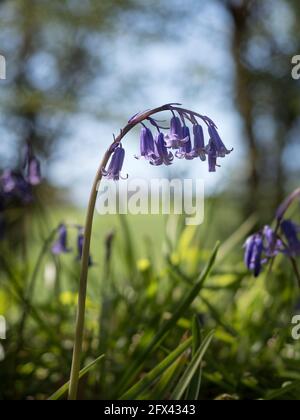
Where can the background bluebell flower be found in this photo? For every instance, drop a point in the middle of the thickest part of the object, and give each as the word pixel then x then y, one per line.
pixel 254 254
pixel 14 186
pixel 272 243
pixel 34 176
pixel 80 243
pixel 8 181
pixel 291 232
pixel 61 245
pixel 32 167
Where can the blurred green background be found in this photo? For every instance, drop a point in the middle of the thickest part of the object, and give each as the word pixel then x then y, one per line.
pixel 76 71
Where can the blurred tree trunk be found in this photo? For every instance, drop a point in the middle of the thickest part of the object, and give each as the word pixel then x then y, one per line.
pixel 240 15
pixel 267 96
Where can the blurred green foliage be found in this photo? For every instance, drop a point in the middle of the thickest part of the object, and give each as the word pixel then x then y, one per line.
pixel 148 267
pixel 132 294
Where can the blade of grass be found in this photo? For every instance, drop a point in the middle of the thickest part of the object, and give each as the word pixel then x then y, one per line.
pixel 129 253
pixel 192 368
pixel 150 377
pixel 194 387
pixel 215 314
pixel 238 236
pixel 64 389
pixel 274 395
pixel 169 379
pixel 168 325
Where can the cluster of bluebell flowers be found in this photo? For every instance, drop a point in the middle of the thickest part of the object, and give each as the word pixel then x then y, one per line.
pixel 179 141
pixel 17 185
pixel 266 244
pixel 60 246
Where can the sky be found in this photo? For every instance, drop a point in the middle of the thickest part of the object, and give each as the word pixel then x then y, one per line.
pixel 192 65
pixel 171 72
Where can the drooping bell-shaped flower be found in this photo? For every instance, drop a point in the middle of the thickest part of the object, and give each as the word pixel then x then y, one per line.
pixel 254 254
pixel 291 233
pixel 199 143
pixel 32 167
pixel 14 186
pixel 162 155
pixel 221 149
pixel 8 181
pixel 212 156
pixel 185 151
pixel 116 165
pixel 147 147
pixel 34 176
pixel 175 139
pixel 61 245
pixel 273 245
pixel 80 243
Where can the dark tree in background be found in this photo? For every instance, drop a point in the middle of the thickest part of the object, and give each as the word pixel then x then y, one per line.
pixel 54 51
pixel 57 50
pixel 268 99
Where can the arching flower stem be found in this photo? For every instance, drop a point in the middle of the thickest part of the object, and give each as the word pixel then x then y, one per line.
pixel 85 261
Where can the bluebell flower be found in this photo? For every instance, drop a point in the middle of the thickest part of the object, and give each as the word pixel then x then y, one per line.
pixel 221 149
pixel 61 245
pixel 175 139
pixel 116 165
pixel 262 247
pixel 15 186
pixel 80 243
pixel 32 167
pixel 291 231
pixel 212 156
pixel 34 176
pixel 254 248
pixel 8 181
pixel 147 147
pixel 199 143
pixel 273 245
pixel 162 154
pixel 185 150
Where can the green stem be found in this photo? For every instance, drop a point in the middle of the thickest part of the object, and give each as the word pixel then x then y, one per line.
pixel 29 293
pixel 75 370
pixel 296 270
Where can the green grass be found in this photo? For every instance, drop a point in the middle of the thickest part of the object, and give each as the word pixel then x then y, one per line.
pixel 151 309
